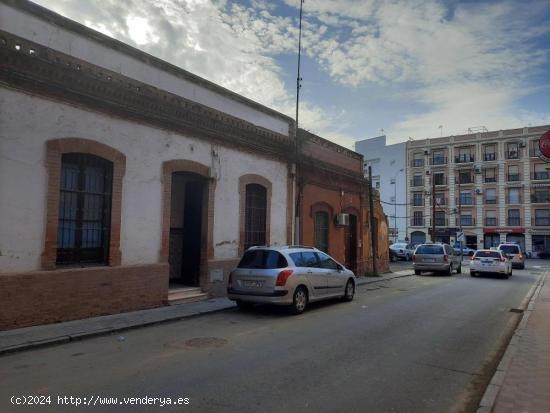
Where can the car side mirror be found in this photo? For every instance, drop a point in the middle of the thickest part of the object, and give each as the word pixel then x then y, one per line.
pixel 339 267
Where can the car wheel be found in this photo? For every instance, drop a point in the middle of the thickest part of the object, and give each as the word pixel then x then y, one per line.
pixel 349 292
pixel 473 274
pixel 417 272
pixel 407 257
pixel 459 269
pixel 299 301
pixel 510 273
pixel 450 270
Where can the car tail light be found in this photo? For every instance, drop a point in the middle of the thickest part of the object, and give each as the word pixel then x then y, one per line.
pixel 230 281
pixel 282 277
pixel 445 258
pixel 472 258
pixel 502 259
pixel 520 256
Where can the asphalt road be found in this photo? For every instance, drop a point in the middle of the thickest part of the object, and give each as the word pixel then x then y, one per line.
pixel 414 344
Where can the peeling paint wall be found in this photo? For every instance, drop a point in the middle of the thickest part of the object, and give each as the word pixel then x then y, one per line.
pixel 27 122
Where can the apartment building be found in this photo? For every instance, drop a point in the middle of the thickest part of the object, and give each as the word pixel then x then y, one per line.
pixel 491 185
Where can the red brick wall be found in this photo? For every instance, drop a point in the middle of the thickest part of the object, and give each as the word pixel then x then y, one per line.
pixel 42 297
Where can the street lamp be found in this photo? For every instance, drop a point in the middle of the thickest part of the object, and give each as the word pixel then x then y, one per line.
pixel 395 204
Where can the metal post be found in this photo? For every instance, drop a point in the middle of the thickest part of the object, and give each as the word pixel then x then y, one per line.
pixel 433 207
pixel 460 215
pixel 373 234
pixel 395 210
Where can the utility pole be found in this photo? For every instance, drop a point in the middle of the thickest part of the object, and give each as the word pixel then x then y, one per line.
pixel 373 234
pixel 297 189
pixel 459 215
pixel 433 207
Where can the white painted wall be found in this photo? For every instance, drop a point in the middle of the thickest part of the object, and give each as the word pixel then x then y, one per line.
pixel 27 122
pixel 47 34
pixel 390 159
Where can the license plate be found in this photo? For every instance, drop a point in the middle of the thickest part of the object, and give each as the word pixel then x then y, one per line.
pixel 487 263
pixel 253 283
pixel 429 260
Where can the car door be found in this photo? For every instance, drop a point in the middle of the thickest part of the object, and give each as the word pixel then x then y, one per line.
pixel 314 274
pixel 335 279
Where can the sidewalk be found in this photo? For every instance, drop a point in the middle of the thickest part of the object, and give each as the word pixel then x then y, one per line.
pixel 39 336
pixel 522 380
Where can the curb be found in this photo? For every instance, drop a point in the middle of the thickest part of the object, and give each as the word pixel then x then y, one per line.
pixel 364 280
pixel 103 331
pixel 493 389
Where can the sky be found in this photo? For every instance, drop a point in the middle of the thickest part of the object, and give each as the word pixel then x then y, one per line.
pixel 403 68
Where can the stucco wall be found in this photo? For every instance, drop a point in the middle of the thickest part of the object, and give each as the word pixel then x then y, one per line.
pixel 27 122
pixel 93 51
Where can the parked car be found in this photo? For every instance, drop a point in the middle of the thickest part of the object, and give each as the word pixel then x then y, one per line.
pixel 544 254
pixel 403 250
pixel 490 262
pixel 437 258
pixel 289 275
pixel 465 250
pixel 392 255
pixel 514 250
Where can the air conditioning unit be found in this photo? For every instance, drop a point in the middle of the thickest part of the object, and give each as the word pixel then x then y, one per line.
pixel 479 191
pixel 427 193
pixel 342 220
pixel 478 169
pixel 427 172
pixel 426 153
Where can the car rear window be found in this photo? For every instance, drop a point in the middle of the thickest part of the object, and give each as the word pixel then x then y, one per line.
pixel 487 254
pixel 510 249
pixel 429 249
pixel 264 259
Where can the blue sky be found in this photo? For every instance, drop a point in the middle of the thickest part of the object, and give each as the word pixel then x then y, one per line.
pixel 402 66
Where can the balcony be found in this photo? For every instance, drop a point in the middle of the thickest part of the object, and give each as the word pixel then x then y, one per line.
pixel 490 201
pixel 540 176
pixel 512 154
pixel 467 200
pixel 418 202
pixel 439 201
pixel 464 180
pixel 490 156
pixel 489 179
pixel 438 160
pixel 513 177
pixel 490 222
pixel 534 152
pixel 541 221
pixel 417 182
pixel 514 201
pixel 541 198
pixel 417 222
pixel 440 180
pixel 513 221
pixel 465 158
pixel 416 163
pixel 441 222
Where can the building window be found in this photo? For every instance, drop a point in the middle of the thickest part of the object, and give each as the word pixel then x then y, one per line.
pixel 540 195
pixel 490 219
pixel 465 177
pixel 490 175
pixel 417 180
pixel 321 230
pixel 540 172
pixel 466 198
pixel 514 217
pixel 418 199
pixel 466 220
pixel 418 219
pixel 513 173
pixel 440 219
pixel 491 196
pixel 439 178
pixel 255 215
pixel 377 184
pixel 465 154
pixel 512 150
pixel 84 209
pixel 542 217
pixel 418 159
pixel 490 152
pixel 438 157
pixel 514 196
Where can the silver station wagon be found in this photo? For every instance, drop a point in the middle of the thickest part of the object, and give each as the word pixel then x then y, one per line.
pixel 436 258
pixel 289 275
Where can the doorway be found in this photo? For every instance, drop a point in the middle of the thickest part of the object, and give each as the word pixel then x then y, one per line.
pixel 187 215
pixel 491 240
pixel 350 235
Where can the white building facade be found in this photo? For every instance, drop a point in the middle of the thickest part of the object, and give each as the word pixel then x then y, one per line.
pixel 388 163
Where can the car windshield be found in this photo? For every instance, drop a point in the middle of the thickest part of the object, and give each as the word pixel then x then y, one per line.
pixel 264 259
pixel 510 249
pixel 399 246
pixel 429 249
pixel 487 254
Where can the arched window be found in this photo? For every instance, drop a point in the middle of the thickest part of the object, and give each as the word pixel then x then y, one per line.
pixel 84 209
pixel 321 230
pixel 255 215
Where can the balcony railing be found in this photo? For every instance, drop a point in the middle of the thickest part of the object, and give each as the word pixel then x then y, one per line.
pixel 415 163
pixel 465 180
pixel 464 158
pixel 512 154
pixel 490 156
pixel 541 221
pixel 441 222
pixel 513 221
pixel 467 200
pixel 418 201
pixel 540 176
pixel 490 201
pixel 439 201
pixel 417 182
pixel 490 222
pixel 534 152
pixel 438 160
pixel 513 177
pixel 540 198
pixel 417 222
pixel 518 200
pixel 489 179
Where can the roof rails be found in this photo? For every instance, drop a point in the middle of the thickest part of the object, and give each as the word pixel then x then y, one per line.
pixel 297 246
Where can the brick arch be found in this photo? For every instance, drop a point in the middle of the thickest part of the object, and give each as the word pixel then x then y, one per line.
pixel 322 206
pixel 245 180
pixel 185 165
pixel 55 148
pixel 353 211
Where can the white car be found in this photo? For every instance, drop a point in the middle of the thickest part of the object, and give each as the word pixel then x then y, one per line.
pixel 490 262
pixel 403 250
